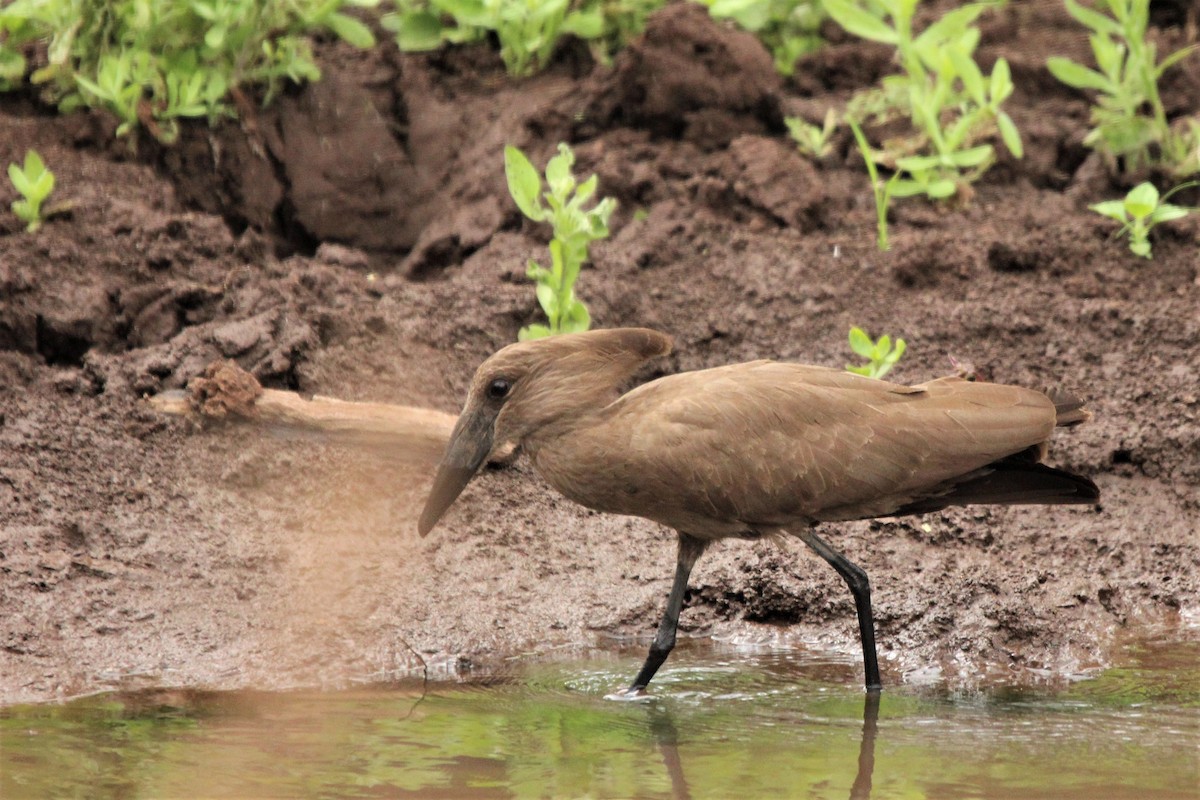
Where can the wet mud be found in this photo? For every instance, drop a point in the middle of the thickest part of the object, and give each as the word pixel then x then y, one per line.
pixel 357 240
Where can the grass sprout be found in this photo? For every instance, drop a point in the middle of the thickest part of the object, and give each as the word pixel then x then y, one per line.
pixel 560 201
pixel 1130 122
pixel 953 106
pixel 814 141
pixel 154 63
pixel 1139 211
pixel 35 183
pixel 881 355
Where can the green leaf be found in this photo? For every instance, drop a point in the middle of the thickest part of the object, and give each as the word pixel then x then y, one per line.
pixel 533 332
pixel 1140 248
pixel 968 72
pixel 351 30
pixel 419 32
pixel 1078 76
pixel 972 157
pixel 548 299
pixel 940 190
pixel 1009 134
pixel 523 183
pixel 861 343
pixel 1167 212
pixel 21 183
pixel 1141 200
pixel 586 24
pixel 1114 209
pixel 1001 82
pixel 21 209
pixel 586 189
pixel 864 371
pixel 558 172
pixel 34 166
pixel 951 25
pixel 43 185
pixel 215 37
pixel 1110 57
pixel 469 12
pixel 1092 19
pixel 1173 59
pixel 902 187
pixel 860 22
pixel 751 15
pixel 918 164
pixel 577 318
pixel 12 66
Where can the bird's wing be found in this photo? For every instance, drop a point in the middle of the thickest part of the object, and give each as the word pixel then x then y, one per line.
pixel 767 444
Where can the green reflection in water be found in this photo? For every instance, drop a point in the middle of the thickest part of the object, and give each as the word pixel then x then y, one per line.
pixel 765 725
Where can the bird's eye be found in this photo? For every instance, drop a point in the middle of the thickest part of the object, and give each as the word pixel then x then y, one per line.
pixel 498 389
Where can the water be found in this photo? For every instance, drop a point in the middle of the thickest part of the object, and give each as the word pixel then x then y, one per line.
pixel 723 724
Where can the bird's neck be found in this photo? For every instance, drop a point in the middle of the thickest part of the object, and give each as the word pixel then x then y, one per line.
pixel 570 410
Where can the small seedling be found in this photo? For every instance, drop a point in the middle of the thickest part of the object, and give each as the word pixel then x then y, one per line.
pixel 813 141
pixel 1129 117
pixel 153 63
pixel 1140 211
pixel 528 30
pixel 575 228
pixel 788 28
pixel 881 355
pixel 880 188
pixel 35 183
pixel 952 104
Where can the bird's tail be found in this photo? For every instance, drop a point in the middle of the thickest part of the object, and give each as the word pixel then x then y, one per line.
pixel 1016 480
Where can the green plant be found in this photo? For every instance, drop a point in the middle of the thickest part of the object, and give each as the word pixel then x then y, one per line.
pixel 35 183
pixel 788 28
pixel 881 355
pixel 813 140
pixel 881 189
pixel 152 63
pixel 528 30
pixel 1129 117
pixel 952 105
pixel 1140 211
pixel 575 228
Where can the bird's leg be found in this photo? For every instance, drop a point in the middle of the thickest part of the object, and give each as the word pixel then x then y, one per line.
pixel 860 587
pixel 690 549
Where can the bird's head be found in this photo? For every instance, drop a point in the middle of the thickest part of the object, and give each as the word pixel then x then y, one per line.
pixel 533 389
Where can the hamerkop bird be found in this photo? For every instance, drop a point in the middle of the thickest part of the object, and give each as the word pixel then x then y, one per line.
pixel 750 450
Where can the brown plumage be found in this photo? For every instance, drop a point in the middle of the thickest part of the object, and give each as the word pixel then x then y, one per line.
pixel 752 449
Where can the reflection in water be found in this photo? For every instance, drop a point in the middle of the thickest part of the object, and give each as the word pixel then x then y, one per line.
pixel 662 727
pixel 666 734
pixel 861 790
pixel 778 727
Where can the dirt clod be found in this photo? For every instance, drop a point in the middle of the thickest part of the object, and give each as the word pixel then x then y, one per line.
pixel 224 389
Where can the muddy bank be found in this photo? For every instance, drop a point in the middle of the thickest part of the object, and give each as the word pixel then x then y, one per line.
pixel 136 548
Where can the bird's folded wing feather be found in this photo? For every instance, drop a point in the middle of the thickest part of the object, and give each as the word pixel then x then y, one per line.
pixel 768 444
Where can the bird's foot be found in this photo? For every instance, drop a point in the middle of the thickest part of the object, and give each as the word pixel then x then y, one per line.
pixel 629 694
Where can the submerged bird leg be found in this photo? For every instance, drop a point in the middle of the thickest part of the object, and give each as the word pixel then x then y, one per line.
pixel 860 587
pixel 690 549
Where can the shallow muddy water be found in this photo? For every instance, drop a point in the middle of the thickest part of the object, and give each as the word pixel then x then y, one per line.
pixel 723 723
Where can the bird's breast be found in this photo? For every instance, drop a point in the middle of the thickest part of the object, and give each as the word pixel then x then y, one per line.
pixel 612 479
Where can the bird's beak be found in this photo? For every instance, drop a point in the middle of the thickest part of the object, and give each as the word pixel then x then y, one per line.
pixel 469 446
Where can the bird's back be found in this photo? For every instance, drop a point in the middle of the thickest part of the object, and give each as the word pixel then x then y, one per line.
pixel 755 447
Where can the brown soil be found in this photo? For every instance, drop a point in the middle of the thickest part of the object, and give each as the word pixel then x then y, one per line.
pixel 357 240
